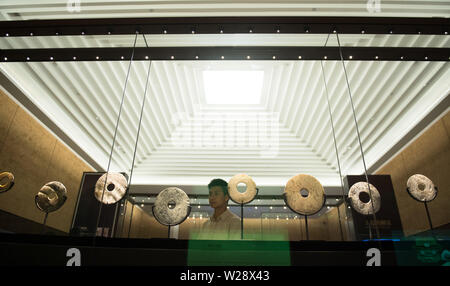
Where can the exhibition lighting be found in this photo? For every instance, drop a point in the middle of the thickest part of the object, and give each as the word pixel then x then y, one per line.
pixel 233 87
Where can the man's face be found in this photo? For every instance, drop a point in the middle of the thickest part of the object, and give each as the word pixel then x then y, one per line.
pixel 217 198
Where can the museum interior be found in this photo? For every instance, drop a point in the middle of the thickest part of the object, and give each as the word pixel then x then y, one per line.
pixel 329 123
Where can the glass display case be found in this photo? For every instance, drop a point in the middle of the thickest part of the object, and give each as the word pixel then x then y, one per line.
pixel 108 137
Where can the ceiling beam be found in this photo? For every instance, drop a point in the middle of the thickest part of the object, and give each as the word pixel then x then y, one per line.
pixel 227 53
pixel 226 25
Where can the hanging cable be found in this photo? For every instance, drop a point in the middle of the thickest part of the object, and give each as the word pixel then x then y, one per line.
pixel 335 141
pixel 139 128
pixel 115 134
pixel 357 131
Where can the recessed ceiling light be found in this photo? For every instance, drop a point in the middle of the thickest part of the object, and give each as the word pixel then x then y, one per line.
pixel 233 87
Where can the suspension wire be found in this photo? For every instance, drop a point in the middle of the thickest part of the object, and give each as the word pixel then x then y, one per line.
pixel 359 137
pixel 115 134
pixel 46 178
pixel 139 130
pixel 335 142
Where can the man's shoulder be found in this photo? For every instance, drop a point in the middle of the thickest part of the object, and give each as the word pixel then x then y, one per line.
pixel 206 223
pixel 232 217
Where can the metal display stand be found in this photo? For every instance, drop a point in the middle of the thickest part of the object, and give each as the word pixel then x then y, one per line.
pixel 305 215
pixel 44 224
pixel 242 212
pixel 306 227
pixel 426 206
pixel 242 221
pixel 170 225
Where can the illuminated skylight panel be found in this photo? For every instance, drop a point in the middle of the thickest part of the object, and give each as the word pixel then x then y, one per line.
pixel 233 87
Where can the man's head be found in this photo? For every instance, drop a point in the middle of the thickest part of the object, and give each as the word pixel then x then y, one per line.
pixel 218 193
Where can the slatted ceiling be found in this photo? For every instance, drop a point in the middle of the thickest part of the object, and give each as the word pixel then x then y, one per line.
pixel 382 91
pixel 413 94
pixel 367 85
pixel 51 9
pixel 258 40
pixel 393 111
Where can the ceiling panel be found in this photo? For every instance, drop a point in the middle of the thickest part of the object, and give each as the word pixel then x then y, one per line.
pixel 184 141
pixel 59 9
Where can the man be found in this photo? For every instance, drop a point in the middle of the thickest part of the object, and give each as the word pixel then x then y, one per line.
pixel 223 224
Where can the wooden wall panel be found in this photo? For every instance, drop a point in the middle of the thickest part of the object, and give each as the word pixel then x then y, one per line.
pixel 70 175
pixel 429 155
pixel 145 227
pixel 136 223
pixel 35 156
pixel 124 223
pixel 323 228
pixel 333 227
pixel 7 114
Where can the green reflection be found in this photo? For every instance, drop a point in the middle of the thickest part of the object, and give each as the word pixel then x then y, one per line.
pixel 272 250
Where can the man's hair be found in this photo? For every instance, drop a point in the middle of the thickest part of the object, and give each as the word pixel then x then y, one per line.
pixel 221 183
